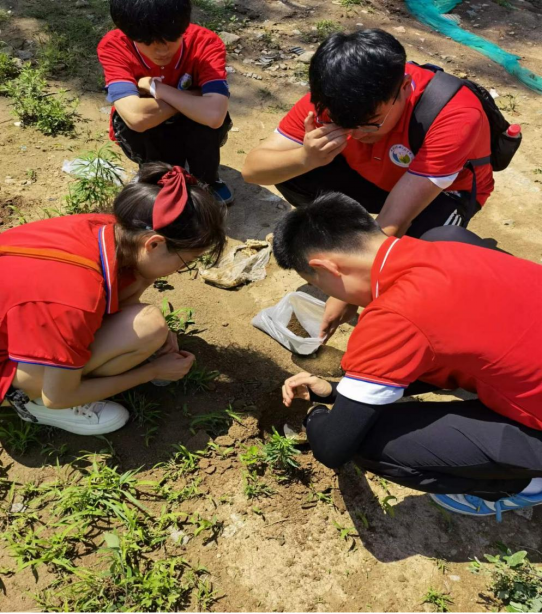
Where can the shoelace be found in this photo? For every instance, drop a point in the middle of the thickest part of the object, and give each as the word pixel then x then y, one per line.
pixel 87 411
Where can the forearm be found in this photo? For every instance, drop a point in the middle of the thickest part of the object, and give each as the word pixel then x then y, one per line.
pixel 99 388
pixel 270 166
pixel 335 436
pixel 141 114
pixel 206 110
pixel 329 399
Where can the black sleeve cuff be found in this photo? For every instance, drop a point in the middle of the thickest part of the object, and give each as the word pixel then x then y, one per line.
pixel 318 409
pixel 329 400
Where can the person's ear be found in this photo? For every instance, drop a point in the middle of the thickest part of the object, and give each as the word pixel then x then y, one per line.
pixel 153 242
pixel 407 81
pixel 325 265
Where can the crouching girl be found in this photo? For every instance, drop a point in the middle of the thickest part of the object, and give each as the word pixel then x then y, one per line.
pixel 73 331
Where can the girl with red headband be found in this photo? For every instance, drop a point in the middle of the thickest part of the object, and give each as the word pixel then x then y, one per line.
pixel 72 328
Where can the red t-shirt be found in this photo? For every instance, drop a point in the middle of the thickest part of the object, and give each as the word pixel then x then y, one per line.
pixel 459 133
pixel 50 311
pixel 452 315
pixel 199 63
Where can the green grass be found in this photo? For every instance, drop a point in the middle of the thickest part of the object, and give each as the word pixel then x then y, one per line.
pixel 17 436
pixel 441 601
pixel 69 47
pixel 326 27
pixel 5 16
pixel 516 584
pixel 254 488
pixel 178 320
pixel 34 105
pixel 198 379
pixel 97 182
pixel 279 452
pixel 215 16
pixel 216 422
pixel 8 69
pixel 146 413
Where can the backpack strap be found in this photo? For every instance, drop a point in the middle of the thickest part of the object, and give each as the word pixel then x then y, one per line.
pixel 49 254
pixel 438 93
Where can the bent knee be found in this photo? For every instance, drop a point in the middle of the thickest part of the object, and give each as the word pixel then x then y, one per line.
pixel 150 326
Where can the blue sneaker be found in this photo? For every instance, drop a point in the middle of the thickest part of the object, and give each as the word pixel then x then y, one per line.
pixel 222 192
pixel 474 506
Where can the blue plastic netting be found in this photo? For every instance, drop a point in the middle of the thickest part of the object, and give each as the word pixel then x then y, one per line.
pixel 430 12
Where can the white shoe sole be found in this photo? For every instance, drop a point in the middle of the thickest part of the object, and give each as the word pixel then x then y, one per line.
pixel 82 429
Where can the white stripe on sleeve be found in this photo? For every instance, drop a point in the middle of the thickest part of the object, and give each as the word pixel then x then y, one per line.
pixel 444 182
pixel 369 392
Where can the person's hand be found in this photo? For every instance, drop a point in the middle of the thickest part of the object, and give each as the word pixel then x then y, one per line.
pixel 173 366
pixel 298 386
pixel 170 346
pixel 323 144
pixel 336 313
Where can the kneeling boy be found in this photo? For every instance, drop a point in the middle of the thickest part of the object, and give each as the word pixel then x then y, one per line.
pixel 167 80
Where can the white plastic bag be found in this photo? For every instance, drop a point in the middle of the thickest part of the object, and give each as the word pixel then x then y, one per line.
pixel 308 310
pixel 242 264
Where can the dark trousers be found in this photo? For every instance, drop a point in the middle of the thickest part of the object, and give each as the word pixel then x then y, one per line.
pixel 460 447
pixel 447 208
pixel 177 141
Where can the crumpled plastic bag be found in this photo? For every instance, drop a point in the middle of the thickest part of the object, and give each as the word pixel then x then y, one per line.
pixel 244 263
pixel 308 310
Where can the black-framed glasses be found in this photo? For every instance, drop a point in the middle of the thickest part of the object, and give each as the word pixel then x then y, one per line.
pixel 371 126
pixel 190 266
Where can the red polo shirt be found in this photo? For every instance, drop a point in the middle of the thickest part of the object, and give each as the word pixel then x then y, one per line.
pixel 452 315
pixel 199 63
pixel 50 311
pixel 459 133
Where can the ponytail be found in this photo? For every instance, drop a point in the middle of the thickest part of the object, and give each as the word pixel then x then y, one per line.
pixel 199 226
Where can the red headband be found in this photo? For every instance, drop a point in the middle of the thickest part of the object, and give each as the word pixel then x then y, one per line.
pixel 172 198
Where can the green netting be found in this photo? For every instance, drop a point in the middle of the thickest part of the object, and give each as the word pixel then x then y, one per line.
pixel 430 12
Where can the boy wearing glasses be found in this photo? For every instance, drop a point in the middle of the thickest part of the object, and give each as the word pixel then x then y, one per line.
pixel 350 134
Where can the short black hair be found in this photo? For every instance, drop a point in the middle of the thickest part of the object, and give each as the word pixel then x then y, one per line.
pixel 333 222
pixel 149 21
pixel 350 75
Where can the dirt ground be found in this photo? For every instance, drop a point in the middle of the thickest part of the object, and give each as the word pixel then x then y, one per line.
pixel 288 555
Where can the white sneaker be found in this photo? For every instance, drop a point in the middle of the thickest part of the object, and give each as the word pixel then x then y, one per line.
pixel 91 419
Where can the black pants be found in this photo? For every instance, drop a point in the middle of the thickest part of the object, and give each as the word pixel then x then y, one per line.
pixel 177 141
pixel 447 208
pixel 460 447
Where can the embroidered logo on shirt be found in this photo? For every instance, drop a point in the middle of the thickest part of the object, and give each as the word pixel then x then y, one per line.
pixel 185 82
pixel 401 155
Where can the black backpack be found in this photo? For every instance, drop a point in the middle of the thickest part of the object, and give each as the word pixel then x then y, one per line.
pixel 439 91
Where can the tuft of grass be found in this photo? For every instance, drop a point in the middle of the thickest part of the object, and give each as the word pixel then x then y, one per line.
pixel 326 27
pixel 5 16
pixel 18 436
pixel 254 488
pixel 441 601
pixel 216 16
pixel 215 422
pixel 8 69
pixel 34 105
pixel 198 379
pixel 347 534
pixel 350 3
pixel 279 452
pixel 97 181
pixel 178 320
pixel 147 414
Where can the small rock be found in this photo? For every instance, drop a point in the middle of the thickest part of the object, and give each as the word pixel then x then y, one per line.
pixel 224 440
pixel 25 55
pixel 9 181
pixel 229 39
pixel 455 578
pixel 209 470
pixel 248 61
pixel 494 93
pixel 399 29
pixel 402 578
pixel 508 222
pixel 234 130
pixel 306 57
pixel 296 32
pixel 230 69
pixel 180 537
pixel 105 110
pixel 359 25
pixel 227 323
pixel 17 508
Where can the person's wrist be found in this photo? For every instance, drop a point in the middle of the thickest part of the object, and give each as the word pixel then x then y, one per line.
pixel 307 161
pixel 157 87
pixel 148 372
